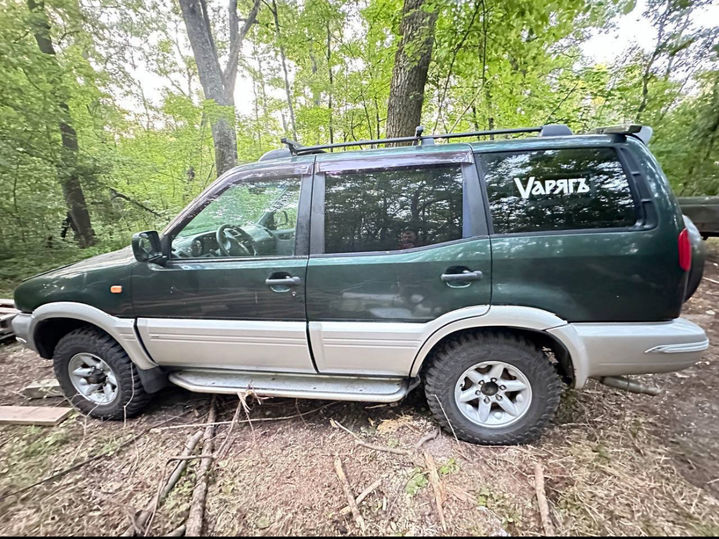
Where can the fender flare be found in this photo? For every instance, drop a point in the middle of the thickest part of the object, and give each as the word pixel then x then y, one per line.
pixel 120 329
pixel 510 316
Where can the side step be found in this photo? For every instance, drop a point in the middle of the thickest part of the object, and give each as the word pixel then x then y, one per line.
pixel 300 386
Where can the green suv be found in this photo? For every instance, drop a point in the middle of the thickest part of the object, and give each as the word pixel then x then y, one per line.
pixel 493 273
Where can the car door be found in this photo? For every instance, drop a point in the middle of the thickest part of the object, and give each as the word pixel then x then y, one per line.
pixel 231 294
pixel 398 239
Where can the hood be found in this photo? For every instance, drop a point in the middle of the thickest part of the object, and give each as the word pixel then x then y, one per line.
pixel 87 281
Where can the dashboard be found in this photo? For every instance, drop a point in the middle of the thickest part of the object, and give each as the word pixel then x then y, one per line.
pixel 204 244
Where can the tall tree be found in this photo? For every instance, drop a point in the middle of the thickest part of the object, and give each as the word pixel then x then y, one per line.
pixel 411 64
pixel 218 84
pixel 67 166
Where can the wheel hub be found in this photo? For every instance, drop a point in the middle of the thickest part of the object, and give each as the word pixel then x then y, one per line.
pixel 493 394
pixel 490 388
pixel 93 378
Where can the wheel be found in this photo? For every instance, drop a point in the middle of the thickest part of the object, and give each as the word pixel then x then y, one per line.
pixel 492 388
pixel 97 376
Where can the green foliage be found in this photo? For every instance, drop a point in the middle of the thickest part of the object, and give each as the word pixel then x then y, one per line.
pixel 145 141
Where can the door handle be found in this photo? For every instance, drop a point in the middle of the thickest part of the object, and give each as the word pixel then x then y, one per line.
pixel 466 275
pixel 284 281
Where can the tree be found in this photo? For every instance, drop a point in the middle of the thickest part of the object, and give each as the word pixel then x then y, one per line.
pixel 409 76
pixel 218 84
pixel 78 216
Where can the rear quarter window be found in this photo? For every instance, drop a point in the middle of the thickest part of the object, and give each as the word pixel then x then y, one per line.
pixel 560 189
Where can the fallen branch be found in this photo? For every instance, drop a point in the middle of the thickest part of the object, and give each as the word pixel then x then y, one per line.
pixel 348 493
pixel 141 521
pixel 439 494
pixel 542 500
pixel 361 442
pixel 190 445
pixel 218 423
pixel 431 436
pixel 199 494
pixel 366 492
pixel 178 532
pixel 94 458
pixel 225 445
pixel 711 280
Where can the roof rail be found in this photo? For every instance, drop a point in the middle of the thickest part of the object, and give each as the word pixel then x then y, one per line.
pixel 642 132
pixel 425 140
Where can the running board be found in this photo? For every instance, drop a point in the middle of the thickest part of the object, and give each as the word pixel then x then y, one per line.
pixel 300 386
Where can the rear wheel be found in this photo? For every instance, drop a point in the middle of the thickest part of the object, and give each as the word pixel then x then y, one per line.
pixel 492 388
pixel 97 376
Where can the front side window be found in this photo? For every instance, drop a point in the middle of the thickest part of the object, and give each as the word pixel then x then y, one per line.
pixel 560 189
pixel 250 218
pixel 392 209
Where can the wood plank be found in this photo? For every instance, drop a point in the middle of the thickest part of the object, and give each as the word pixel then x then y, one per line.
pixel 49 387
pixel 32 415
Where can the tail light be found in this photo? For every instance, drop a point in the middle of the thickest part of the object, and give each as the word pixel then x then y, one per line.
pixel 685 250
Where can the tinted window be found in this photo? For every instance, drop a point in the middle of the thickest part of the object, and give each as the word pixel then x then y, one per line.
pixel 390 209
pixel 558 190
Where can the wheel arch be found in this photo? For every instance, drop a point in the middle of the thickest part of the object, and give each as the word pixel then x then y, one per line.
pixel 52 321
pixel 528 322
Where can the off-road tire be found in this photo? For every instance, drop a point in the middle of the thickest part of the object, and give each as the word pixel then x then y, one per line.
pixel 131 397
pixel 456 356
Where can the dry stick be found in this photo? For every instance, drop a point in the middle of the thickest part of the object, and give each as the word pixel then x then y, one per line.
pixel 358 441
pixel 178 532
pixel 142 521
pixel 542 500
pixel 190 445
pixel 366 492
pixel 225 445
pixel 217 423
pixel 436 486
pixel 711 280
pixel 199 494
pixel 348 493
pixel 547 523
pixel 93 458
pixel 431 436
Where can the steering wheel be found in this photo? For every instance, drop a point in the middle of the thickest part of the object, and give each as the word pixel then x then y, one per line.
pixel 229 239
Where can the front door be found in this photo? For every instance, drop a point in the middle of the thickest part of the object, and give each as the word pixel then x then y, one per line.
pixel 232 293
pixel 397 242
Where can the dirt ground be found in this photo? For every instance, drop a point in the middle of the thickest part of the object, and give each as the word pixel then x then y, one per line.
pixel 615 463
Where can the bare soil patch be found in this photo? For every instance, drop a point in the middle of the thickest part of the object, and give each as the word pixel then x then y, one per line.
pixel 615 463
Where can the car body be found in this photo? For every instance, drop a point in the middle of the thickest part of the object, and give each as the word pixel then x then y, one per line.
pixel 352 272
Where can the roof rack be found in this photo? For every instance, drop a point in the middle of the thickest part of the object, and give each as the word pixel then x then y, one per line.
pixel 642 132
pixel 419 139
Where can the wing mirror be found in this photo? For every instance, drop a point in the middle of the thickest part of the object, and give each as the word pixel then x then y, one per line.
pixel 146 247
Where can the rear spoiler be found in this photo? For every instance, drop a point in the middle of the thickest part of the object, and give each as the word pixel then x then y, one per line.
pixel 642 132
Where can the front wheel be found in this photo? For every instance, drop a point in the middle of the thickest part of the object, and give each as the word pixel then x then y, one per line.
pixel 492 388
pixel 97 376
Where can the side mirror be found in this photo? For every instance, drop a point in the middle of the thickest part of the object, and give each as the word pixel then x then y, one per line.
pixel 146 247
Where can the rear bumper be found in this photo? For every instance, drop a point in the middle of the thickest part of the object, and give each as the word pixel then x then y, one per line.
pixel 632 348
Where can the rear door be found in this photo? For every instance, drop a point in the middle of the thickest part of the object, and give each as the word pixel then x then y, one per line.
pixel 397 240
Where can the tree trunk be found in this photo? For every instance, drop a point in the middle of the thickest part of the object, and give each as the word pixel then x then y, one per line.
pixel 216 85
pixel 288 94
pixel 67 164
pixel 404 110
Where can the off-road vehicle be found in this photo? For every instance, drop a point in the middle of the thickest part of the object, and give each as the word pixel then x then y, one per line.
pixel 492 272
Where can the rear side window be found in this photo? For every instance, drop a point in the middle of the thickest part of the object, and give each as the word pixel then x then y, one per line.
pixel 392 209
pixel 560 189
